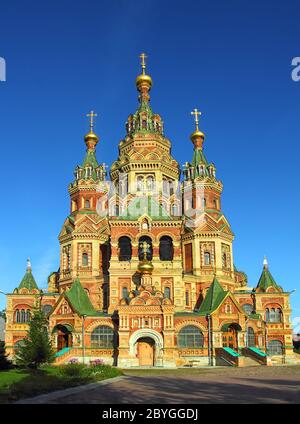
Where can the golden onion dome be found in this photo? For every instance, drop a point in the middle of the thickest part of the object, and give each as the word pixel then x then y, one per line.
pixel 197 134
pixel 143 78
pixel 145 267
pixel 91 136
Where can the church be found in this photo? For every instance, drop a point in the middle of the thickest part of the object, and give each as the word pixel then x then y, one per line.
pixel 146 275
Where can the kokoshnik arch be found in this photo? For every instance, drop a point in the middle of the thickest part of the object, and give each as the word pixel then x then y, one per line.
pixel 146 275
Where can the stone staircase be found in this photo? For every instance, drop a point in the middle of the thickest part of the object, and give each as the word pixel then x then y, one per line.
pixel 250 362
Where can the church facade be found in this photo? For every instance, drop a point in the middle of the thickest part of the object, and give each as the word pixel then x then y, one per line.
pixel 146 275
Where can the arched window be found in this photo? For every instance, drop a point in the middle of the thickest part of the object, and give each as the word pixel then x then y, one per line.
pixel 267 315
pixel 248 308
pixel 174 210
pixel 140 183
pixel 275 347
pixel 251 337
pixel 125 249
pixel 278 313
pixel 190 336
pixel 166 249
pixel 124 292
pixel 187 298
pixel 85 259
pixel 46 309
pixel 103 337
pixel 224 260
pixel 23 315
pixel 27 316
pixel 150 183
pixel 149 249
pixel 17 316
pixel 167 293
pixel 272 315
pixel 207 260
pixel 87 204
pixel 165 187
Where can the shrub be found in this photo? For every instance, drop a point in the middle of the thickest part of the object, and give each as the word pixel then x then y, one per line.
pixel 5 364
pixel 73 370
pixel 36 348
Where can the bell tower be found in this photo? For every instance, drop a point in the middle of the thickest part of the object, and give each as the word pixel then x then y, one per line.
pixel 84 238
pixel 207 239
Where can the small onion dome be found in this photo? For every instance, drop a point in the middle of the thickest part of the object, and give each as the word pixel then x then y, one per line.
pixel 145 267
pixel 197 134
pixel 91 136
pixel 197 138
pixel 143 79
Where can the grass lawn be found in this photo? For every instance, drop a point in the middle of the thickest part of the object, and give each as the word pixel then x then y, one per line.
pixel 22 383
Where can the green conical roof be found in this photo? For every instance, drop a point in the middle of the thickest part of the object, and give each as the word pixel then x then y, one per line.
pixel 79 299
pixel 28 281
pixel 213 298
pixel 198 158
pixel 266 280
pixel 90 159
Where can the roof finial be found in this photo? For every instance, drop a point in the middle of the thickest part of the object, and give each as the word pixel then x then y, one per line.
pixel 28 268
pixel 265 263
pixel 143 81
pixel 198 136
pixel 196 114
pixel 92 115
pixel 143 57
pixel 91 139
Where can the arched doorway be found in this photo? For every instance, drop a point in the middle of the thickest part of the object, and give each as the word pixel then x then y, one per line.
pixel 155 346
pixel 64 336
pixel 146 351
pixel 230 335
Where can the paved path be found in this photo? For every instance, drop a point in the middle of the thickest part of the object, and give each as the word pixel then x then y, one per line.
pixel 246 385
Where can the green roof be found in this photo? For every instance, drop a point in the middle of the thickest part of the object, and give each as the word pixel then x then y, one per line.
pixel 198 158
pixel 266 280
pixel 28 281
pixel 145 205
pixel 79 299
pixel 214 296
pixel 90 159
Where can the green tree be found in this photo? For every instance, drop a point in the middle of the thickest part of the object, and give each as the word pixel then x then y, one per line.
pixel 4 362
pixel 36 348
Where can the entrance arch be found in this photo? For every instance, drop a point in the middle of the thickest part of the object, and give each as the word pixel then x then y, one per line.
pixel 147 345
pixel 230 335
pixel 64 335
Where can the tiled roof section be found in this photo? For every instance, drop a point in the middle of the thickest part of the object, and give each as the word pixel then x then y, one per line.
pixel 266 280
pixel 213 298
pixel 145 205
pixel 28 281
pixel 79 299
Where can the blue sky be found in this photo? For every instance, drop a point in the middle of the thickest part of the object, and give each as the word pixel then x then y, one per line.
pixel 230 59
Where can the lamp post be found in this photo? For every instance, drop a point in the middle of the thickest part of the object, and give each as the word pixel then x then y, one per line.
pixel 83 341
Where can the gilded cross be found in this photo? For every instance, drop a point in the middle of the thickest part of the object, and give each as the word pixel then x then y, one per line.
pixel 144 247
pixel 143 62
pixel 91 115
pixel 196 114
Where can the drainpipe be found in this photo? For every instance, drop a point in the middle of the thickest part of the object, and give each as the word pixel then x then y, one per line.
pixel 210 341
pixel 266 337
pixel 83 341
pixel 246 324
